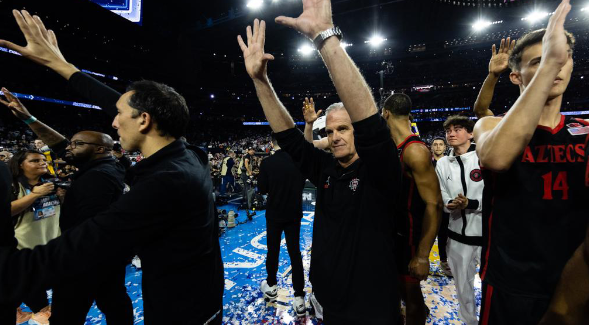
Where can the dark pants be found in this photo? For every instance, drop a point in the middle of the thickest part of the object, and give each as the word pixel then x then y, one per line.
pixel 35 301
pixel 443 236
pixel 248 191
pixel 225 181
pixel 72 299
pixel 292 231
pixel 8 314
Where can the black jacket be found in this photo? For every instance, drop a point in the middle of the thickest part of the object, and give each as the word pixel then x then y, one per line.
pixel 6 227
pixel 283 182
pixel 167 218
pixel 97 185
pixel 353 262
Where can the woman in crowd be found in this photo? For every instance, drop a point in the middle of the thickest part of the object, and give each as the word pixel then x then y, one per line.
pixel 35 209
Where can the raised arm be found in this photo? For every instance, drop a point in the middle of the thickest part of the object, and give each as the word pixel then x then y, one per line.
pixel 44 132
pixel 497 65
pixel 42 48
pixel 310 117
pixel 41 45
pixel 501 141
pixel 349 83
pixel 256 63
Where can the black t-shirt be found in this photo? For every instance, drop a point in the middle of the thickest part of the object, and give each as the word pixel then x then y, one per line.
pixel 410 219
pixel 535 215
pixel 284 183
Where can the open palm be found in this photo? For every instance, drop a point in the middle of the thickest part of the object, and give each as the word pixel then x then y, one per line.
pixel 316 17
pixel 500 59
pixel 256 60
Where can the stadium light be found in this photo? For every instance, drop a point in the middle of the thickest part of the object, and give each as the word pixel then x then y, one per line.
pixel 255 4
pixel 306 50
pixel 376 41
pixel 481 24
pixel 585 8
pixel 345 45
pixel 536 16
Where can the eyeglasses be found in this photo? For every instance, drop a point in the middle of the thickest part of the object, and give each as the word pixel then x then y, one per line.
pixel 75 144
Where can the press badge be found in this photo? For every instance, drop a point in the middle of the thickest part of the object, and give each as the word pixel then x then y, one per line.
pixel 44 207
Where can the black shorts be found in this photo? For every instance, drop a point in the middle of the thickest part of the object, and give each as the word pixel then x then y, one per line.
pixel 501 308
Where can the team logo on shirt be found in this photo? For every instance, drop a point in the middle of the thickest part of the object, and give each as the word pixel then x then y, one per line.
pixel 578 129
pixel 476 175
pixel 354 184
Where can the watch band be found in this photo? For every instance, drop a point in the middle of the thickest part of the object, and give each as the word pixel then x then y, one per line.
pixel 324 35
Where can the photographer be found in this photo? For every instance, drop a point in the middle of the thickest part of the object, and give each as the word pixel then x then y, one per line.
pixel 98 183
pixel 35 211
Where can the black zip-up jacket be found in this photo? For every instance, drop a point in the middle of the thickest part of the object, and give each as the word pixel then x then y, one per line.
pixel 6 227
pixel 284 183
pixel 97 185
pixel 353 270
pixel 167 218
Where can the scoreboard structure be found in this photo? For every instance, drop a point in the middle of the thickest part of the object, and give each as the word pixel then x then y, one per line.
pixel 129 9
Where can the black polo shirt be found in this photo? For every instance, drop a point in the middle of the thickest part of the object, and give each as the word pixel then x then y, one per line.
pixel 353 259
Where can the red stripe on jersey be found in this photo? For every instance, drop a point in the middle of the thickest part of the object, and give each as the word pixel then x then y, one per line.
pixel 411 189
pixel 587 160
pixel 407 146
pixel 486 309
pixel 488 249
pixel 407 138
pixel 556 129
pixel 582 121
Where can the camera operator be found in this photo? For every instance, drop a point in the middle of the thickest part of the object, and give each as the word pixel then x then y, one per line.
pixel 98 183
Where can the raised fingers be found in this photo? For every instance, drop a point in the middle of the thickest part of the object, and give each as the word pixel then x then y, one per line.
pixel 241 43
pixel 249 36
pixel 42 28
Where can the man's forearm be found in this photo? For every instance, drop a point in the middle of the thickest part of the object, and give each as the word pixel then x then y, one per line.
pixel 276 114
pixel 432 219
pixel 349 82
pixel 509 138
pixel 483 102
pixel 64 69
pixel 46 133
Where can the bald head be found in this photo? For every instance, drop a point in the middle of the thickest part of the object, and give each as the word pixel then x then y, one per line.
pixel 88 145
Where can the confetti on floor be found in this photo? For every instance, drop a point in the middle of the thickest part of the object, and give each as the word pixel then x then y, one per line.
pixel 244 254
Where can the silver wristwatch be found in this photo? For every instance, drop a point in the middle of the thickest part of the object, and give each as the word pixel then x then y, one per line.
pixel 320 39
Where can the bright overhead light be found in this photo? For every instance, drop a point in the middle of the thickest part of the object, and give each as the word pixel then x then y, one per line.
pixel 585 8
pixel 376 41
pixel 255 4
pixel 536 16
pixel 345 45
pixel 306 49
pixel 481 24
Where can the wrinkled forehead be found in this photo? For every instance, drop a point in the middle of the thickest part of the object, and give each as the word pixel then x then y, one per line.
pixel 338 118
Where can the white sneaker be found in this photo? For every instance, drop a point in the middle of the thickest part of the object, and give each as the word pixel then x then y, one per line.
pixel 270 292
pixel 316 306
pixel 299 306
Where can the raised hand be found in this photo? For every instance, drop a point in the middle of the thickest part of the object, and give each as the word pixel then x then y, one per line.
pixel 500 59
pixel 256 61
pixel 41 43
pixel 554 44
pixel 16 107
pixel 316 17
pixel 309 113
